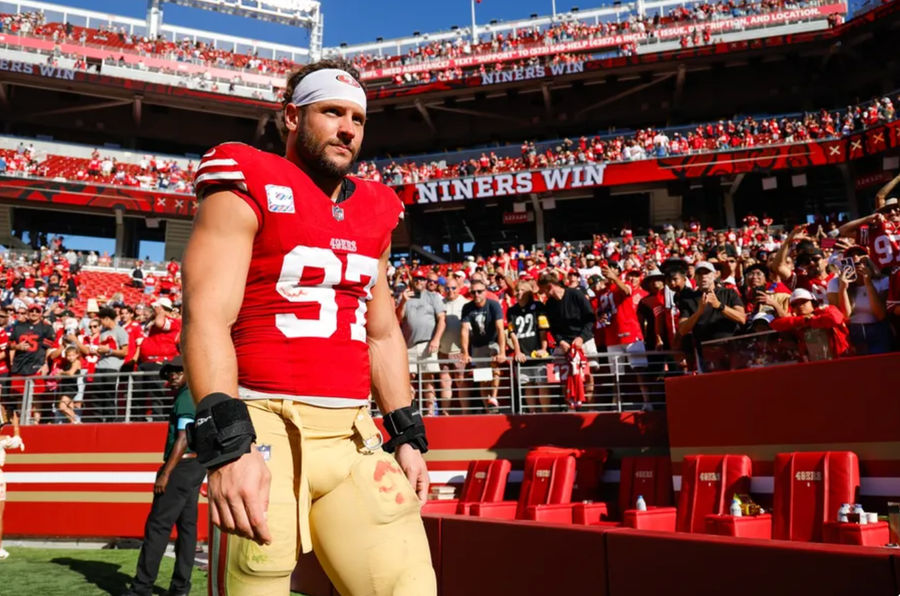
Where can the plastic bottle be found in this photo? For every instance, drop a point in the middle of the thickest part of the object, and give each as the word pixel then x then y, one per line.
pixel 858 509
pixel 640 504
pixel 842 512
pixel 735 508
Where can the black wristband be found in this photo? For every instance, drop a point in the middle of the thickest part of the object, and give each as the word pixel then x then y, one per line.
pixel 405 425
pixel 223 431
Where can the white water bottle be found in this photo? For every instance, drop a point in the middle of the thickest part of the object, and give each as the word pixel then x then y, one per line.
pixel 842 512
pixel 736 508
pixel 858 509
pixel 640 504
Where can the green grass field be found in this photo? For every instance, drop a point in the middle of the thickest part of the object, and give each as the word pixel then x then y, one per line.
pixel 79 572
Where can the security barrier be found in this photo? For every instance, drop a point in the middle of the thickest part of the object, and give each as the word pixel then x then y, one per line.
pixel 616 382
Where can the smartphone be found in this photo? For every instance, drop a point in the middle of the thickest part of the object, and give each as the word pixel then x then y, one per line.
pixel 417 294
pixel 848 268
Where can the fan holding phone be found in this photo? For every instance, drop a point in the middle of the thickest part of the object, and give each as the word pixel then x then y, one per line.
pixel 859 291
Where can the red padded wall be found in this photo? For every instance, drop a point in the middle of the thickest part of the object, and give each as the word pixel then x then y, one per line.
pixel 490 557
pixel 643 563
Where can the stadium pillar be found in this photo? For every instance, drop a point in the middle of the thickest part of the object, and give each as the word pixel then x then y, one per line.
pixel 730 218
pixel 538 218
pixel 850 185
pixel 664 208
pixel 6 232
pixel 120 234
pixel 177 234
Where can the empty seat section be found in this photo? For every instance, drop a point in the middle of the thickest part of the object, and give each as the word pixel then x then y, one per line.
pixel 809 489
pixel 485 483
pixel 708 483
pixel 546 491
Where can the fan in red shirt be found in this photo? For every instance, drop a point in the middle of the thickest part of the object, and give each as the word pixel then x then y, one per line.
pixel 807 318
pixel 172 268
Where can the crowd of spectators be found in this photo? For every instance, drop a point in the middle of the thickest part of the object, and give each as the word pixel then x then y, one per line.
pixel 149 173
pixel 701 299
pixel 74 346
pixel 646 143
pixel 185 50
pixel 672 301
pixel 571 29
pixel 204 53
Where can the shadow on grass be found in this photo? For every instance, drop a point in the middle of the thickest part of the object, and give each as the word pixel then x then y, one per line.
pixel 105 576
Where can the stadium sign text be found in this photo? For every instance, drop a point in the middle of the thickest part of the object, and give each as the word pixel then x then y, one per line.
pixel 503 185
pixel 531 72
pixel 615 40
pixel 44 70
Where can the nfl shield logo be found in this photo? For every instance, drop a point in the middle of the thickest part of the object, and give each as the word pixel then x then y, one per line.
pixel 280 199
pixel 337 213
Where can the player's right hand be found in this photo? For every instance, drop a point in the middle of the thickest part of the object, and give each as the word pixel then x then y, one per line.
pixel 239 497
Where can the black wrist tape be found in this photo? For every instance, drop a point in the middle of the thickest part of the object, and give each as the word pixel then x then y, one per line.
pixel 222 432
pixel 405 425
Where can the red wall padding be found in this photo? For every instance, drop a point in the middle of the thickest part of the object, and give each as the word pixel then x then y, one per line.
pixel 644 563
pixel 498 557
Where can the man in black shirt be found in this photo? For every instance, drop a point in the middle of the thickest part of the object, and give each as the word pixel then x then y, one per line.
pixel 483 336
pixel 28 344
pixel 528 333
pixel 709 312
pixel 571 320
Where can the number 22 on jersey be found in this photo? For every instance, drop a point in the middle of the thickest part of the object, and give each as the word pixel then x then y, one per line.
pixel 358 267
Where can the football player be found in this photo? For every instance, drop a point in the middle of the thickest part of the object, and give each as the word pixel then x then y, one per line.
pixel 289 327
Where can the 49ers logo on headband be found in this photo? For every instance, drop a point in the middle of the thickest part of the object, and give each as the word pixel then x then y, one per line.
pixel 348 79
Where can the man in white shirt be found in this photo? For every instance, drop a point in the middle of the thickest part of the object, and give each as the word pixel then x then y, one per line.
pixel 450 351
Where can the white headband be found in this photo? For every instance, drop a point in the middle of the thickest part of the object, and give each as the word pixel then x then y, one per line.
pixel 328 84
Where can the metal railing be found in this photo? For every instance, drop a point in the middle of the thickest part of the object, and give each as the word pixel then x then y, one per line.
pixel 617 382
pixel 441 387
pixel 82 398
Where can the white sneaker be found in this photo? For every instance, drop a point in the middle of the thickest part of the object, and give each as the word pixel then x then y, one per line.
pixel 3 553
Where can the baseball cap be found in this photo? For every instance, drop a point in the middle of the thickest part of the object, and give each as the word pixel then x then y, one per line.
pixel 799 295
pixel 704 265
pixel 891 203
pixel 163 302
pixel 856 249
pixel 762 316
pixel 36 307
pixel 174 365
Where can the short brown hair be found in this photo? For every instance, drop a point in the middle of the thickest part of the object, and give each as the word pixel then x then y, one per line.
pixel 295 77
pixel 548 277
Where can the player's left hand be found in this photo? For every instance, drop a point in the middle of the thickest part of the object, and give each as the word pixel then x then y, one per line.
pixel 413 465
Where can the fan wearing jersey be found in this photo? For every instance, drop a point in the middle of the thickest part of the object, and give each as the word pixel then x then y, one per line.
pixel 879 233
pixel 289 329
pixel 528 327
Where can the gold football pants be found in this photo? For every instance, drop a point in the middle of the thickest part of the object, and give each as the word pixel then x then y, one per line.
pixel 331 493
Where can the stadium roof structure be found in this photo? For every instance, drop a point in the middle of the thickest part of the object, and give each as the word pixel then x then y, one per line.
pixel 302 13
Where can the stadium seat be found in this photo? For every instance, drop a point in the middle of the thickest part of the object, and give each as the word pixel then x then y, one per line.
pixel 546 491
pixel 708 483
pixel 589 464
pixel 809 489
pixel 649 476
pixel 485 483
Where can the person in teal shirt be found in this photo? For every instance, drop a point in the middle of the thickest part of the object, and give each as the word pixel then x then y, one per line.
pixel 176 492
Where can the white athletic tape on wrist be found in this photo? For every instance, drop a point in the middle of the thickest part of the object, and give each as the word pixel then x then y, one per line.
pixel 328 84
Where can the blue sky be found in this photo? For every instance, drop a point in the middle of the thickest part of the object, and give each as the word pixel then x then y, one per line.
pixel 351 21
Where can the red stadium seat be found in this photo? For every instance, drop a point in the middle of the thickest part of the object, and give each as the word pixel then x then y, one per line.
pixel 589 464
pixel 708 483
pixel 545 494
pixel 809 489
pixel 649 476
pixel 485 483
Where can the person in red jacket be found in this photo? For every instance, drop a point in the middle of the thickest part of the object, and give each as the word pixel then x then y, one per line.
pixel 807 318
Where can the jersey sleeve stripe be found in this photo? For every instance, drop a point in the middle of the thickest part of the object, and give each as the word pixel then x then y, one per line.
pixel 209 163
pixel 231 175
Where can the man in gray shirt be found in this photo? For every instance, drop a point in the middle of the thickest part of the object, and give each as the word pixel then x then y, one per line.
pixel 112 349
pixel 422 320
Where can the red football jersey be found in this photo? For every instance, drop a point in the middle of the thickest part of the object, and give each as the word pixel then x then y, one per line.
pixel 623 326
pixel 883 241
pixel 301 327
